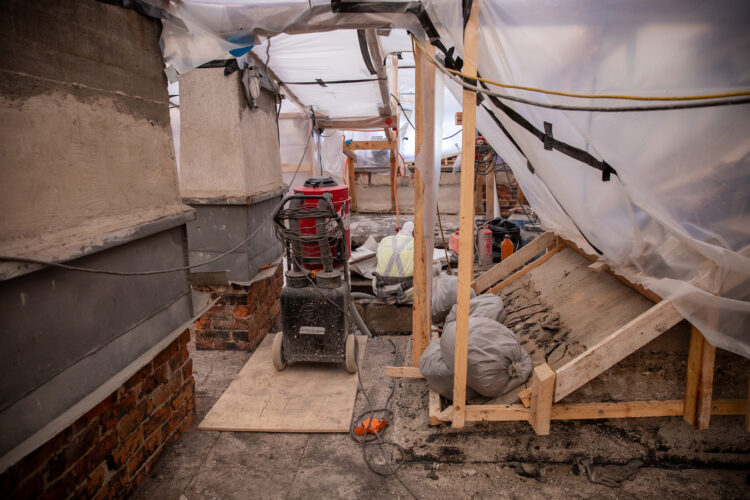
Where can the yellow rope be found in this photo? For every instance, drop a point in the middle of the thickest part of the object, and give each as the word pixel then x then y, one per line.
pixel 580 96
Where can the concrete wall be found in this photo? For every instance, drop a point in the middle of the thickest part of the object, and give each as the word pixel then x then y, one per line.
pixel 227 149
pixel 84 121
pixel 87 176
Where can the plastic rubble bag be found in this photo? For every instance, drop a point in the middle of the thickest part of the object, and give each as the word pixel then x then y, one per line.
pixel 496 361
pixel 437 373
pixel 395 254
pixel 487 305
pixel 444 295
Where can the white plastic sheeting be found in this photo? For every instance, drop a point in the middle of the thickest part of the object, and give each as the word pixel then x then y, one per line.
pixel 674 219
pixel 677 217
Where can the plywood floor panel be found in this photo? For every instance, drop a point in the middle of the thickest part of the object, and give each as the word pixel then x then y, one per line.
pixel 305 397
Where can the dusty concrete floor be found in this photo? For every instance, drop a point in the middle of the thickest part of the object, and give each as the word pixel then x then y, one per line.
pixel 443 463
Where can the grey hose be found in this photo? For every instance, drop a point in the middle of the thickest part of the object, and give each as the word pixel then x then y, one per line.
pixel 358 319
pixel 360 295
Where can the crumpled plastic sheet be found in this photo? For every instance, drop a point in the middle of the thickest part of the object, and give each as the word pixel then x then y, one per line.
pixel 676 218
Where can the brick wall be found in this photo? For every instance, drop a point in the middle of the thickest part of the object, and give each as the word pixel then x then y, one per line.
pixel 509 195
pixel 107 452
pixel 243 315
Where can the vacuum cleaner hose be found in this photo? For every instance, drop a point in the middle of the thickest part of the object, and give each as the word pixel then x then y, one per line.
pixel 358 319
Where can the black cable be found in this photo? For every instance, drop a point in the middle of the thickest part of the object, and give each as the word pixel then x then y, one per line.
pixel 404 111
pixel 304 152
pixel 455 134
pixel 29 260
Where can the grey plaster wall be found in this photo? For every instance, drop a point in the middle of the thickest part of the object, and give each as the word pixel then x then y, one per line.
pixel 219 227
pixel 84 120
pixel 226 148
pixel 66 333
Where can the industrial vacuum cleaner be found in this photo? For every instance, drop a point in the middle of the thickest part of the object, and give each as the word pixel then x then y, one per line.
pixel 316 308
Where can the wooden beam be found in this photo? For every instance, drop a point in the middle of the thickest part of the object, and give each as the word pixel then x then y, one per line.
pixel 515 261
pixel 542 394
pixel 695 353
pixel 392 165
pixel 403 372
pixel 352 123
pixel 352 182
pixel 615 347
pixel 376 53
pixel 630 409
pixel 392 133
pixel 496 413
pixel 705 386
pixel 525 397
pixel 466 220
pixel 421 314
pixel 491 199
pixel 638 288
pixel 519 274
pixel 370 145
pixel 591 411
pixel 598 266
pixel 434 407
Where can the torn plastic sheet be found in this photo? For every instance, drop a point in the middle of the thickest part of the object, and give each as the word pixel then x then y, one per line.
pixel 198 31
pixel 679 206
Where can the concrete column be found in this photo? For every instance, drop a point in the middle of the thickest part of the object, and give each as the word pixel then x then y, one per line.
pixel 230 172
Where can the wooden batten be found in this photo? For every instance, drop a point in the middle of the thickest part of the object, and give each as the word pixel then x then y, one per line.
pixel 466 222
pixel 421 314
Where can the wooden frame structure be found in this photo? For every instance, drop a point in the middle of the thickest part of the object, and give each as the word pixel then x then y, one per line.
pixel 541 402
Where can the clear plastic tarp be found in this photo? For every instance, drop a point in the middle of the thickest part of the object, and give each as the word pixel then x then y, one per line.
pixel 675 218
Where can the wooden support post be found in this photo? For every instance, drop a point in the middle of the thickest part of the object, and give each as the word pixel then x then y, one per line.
pixel 489 197
pixel 421 315
pixel 542 394
pixel 700 379
pixel 393 133
pixel 466 223
pixel 352 180
pixel 478 190
pixel 373 44
pixel 392 164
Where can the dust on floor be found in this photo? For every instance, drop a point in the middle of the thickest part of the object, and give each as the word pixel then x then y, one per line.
pixel 475 462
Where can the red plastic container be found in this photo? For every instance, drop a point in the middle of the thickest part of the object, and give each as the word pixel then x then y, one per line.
pixel 341 203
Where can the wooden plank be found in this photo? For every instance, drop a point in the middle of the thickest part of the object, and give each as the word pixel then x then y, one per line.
pixel 598 266
pixel 392 165
pixel 353 123
pixel 352 183
pixel 695 354
pixel 496 413
pixel 466 220
pixel 489 188
pixel 403 371
pixel 525 397
pixel 638 288
pixel 705 386
pixel 369 145
pixel 421 315
pixel 519 274
pixel 515 261
pixel 542 393
pixel 630 409
pixel 590 411
pixel 615 347
pixel 303 398
pixel 373 44
pixel 434 407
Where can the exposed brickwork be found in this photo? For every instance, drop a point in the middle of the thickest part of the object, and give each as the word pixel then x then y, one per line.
pixel 242 316
pixel 508 193
pixel 107 452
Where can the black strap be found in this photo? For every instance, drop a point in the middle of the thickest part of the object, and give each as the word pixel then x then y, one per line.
pixel 325 83
pixel 365 51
